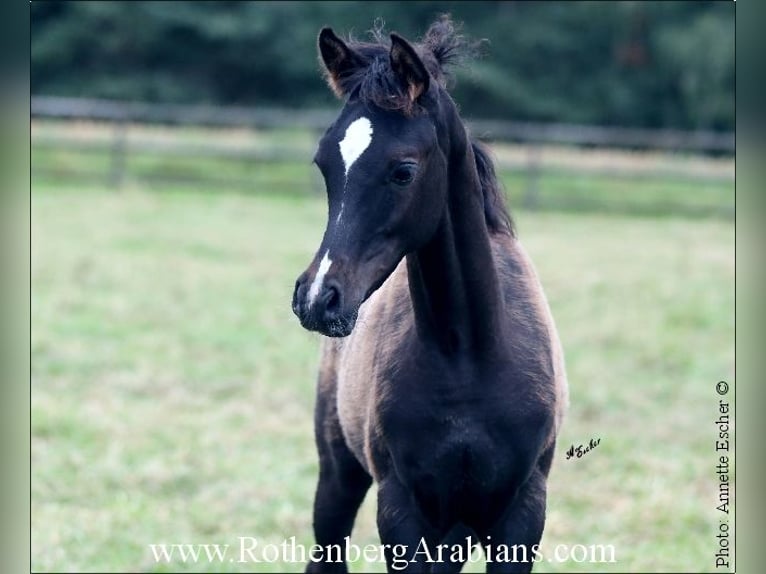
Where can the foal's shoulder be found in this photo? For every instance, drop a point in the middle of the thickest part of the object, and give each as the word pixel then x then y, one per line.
pixel 511 259
pixel 522 291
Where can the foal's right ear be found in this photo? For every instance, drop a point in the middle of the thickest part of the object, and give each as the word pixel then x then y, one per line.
pixel 339 60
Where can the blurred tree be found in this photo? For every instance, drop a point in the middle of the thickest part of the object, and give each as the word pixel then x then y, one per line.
pixel 653 64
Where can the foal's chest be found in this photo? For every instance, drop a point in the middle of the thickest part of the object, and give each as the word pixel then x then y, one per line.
pixel 450 424
pixel 453 451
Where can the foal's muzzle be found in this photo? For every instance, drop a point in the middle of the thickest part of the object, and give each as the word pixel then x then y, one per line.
pixel 322 311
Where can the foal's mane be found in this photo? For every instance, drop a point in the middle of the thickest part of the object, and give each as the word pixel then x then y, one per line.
pixel 440 49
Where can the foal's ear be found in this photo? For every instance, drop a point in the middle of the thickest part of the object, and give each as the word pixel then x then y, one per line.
pixel 339 60
pixel 408 67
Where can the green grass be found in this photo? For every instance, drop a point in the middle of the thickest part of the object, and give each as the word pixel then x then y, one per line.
pixel 172 388
pixel 563 190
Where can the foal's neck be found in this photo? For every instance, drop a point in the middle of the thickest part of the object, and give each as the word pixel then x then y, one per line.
pixel 453 282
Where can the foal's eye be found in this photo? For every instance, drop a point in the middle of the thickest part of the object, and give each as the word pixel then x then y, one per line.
pixel 404 173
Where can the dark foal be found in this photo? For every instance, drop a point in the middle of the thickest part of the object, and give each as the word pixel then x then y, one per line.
pixel 443 379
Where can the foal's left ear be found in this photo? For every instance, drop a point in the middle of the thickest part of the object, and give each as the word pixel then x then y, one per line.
pixel 408 67
pixel 340 61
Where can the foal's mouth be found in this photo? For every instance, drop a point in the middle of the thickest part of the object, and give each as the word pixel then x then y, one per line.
pixel 340 326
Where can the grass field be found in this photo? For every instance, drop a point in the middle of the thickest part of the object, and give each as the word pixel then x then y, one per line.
pixel 172 387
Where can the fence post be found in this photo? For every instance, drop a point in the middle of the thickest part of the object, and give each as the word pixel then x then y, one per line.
pixel 119 151
pixel 532 191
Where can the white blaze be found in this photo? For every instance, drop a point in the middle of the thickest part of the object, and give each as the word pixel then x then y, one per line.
pixel 357 139
pixel 316 285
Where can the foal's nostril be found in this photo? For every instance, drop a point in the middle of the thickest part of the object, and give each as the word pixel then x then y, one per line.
pixel 296 297
pixel 332 300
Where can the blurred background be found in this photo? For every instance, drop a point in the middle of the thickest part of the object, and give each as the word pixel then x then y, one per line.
pixel 575 97
pixel 174 204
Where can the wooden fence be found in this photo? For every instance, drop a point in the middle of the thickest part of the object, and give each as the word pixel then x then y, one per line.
pixel 531 139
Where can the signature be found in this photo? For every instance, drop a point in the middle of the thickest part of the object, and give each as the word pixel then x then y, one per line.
pixel 580 450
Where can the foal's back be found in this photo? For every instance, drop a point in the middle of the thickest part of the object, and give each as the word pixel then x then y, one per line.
pixel 361 368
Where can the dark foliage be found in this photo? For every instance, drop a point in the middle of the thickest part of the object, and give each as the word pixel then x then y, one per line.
pixel 652 64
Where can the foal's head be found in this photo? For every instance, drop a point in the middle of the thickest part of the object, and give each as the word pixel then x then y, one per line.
pixel 385 165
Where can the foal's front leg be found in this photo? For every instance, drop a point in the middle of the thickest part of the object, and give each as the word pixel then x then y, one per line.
pixel 343 482
pixel 402 529
pixel 522 524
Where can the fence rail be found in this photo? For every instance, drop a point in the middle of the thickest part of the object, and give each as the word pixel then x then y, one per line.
pixel 270 118
pixel 530 140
